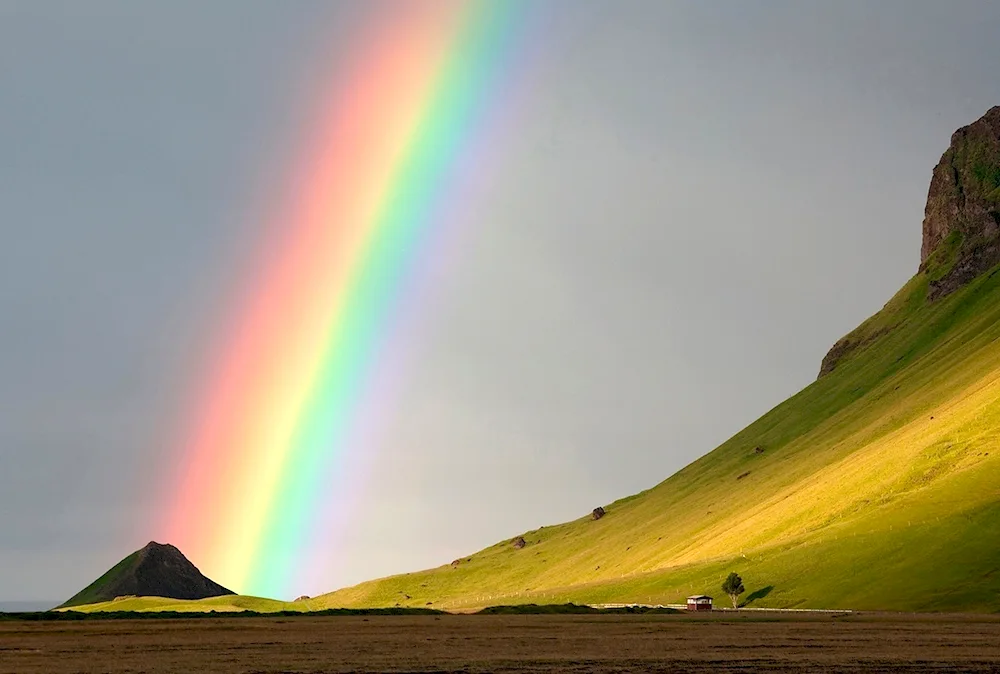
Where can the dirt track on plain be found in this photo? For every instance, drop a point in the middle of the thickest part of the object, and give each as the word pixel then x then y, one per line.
pixel 682 643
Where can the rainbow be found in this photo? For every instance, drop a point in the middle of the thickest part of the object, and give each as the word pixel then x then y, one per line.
pixel 277 426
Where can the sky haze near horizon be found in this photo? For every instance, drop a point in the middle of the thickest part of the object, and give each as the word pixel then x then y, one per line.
pixel 694 202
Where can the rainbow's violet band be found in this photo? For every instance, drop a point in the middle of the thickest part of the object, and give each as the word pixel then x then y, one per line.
pixel 276 422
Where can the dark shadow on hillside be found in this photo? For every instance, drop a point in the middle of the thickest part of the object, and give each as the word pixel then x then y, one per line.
pixel 757 594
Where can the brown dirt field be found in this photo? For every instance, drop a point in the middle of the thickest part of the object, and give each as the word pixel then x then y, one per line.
pixel 682 643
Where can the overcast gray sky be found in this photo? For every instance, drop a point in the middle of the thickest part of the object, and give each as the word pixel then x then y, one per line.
pixel 695 200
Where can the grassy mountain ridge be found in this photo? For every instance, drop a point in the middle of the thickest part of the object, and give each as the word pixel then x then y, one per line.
pixel 878 486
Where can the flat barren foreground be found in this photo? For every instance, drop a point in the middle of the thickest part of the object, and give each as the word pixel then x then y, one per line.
pixel 717 643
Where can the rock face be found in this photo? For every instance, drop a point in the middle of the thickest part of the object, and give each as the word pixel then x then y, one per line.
pixel 156 570
pixel 961 226
pixel 845 347
pixel 964 200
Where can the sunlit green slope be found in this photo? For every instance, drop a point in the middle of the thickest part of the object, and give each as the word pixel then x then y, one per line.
pixel 878 486
pixel 227 604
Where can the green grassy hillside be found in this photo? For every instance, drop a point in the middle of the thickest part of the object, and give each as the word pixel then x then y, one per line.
pixel 877 487
pixel 228 604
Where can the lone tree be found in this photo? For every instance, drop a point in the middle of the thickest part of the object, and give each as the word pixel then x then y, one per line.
pixel 734 588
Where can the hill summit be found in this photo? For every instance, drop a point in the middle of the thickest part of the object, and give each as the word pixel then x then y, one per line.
pixel 157 570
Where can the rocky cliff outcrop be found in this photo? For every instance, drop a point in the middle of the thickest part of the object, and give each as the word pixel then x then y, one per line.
pixel 964 201
pixel 961 229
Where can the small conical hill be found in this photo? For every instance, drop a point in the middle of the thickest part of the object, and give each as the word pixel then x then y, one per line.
pixel 157 570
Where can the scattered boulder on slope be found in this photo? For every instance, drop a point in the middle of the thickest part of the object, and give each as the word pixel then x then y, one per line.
pixel 598 513
pixel 519 542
